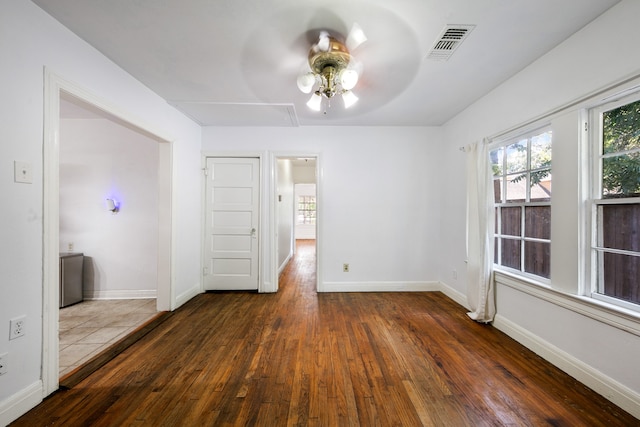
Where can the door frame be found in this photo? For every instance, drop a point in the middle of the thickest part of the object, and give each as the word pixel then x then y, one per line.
pixel 54 86
pixel 262 235
pixel 275 156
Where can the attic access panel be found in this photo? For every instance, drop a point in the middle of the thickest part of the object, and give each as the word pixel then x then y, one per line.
pixel 239 114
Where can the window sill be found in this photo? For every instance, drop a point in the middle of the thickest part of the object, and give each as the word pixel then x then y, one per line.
pixel 618 317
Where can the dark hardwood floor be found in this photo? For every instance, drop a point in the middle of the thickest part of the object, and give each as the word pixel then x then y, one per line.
pixel 335 359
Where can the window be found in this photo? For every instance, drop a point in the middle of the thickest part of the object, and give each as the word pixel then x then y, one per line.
pixel 522 190
pixel 615 189
pixel 306 209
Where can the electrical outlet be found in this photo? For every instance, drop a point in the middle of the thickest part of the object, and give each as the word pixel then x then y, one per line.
pixel 345 268
pixel 17 327
pixel 3 363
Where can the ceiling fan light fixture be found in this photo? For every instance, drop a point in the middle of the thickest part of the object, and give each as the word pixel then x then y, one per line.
pixel 315 102
pixel 330 75
pixel 349 98
pixel 306 82
pixel 348 79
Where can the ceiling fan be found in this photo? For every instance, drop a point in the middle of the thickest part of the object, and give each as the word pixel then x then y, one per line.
pixel 332 69
pixel 324 54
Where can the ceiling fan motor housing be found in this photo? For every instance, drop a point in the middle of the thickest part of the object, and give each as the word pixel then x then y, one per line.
pixel 336 55
pixel 328 63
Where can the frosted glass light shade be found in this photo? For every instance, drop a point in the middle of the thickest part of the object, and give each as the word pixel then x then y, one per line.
pixel 315 102
pixel 348 79
pixel 349 99
pixel 306 82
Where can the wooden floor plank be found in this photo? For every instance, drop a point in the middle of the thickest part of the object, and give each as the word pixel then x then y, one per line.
pixel 300 358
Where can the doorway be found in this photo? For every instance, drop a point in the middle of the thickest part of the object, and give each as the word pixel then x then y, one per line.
pixel 297 210
pixel 112 292
pixel 56 89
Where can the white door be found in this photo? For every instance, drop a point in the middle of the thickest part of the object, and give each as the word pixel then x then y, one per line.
pixel 232 210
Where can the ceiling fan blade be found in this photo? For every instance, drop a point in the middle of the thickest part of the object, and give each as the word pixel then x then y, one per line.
pixel 323 42
pixel 275 59
pixel 355 37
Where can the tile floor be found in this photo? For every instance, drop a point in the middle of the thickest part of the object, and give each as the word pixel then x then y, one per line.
pixel 89 327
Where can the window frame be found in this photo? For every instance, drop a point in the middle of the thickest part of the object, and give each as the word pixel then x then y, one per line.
pixel 504 142
pixel 570 285
pixel 595 127
pixel 302 201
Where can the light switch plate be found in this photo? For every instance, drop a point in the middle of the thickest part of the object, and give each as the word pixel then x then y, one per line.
pixel 22 172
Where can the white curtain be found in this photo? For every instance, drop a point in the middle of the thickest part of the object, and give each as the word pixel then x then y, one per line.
pixel 480 233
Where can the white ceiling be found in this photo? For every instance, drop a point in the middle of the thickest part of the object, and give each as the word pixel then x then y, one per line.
pixel 235 63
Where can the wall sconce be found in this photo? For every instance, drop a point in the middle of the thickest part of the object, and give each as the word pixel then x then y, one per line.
pixel 113 206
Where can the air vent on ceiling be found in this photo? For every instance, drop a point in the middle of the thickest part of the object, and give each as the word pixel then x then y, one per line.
pixel 448 41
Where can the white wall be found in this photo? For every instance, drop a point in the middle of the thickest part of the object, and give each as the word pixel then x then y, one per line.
pixel 594 351
pixel 284 209
pixel 31 40
pixel 378 199
pixel 304 174
pixel 100 159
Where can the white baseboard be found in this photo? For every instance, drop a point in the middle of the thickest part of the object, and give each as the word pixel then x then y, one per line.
pixel 120 294
pixel 20 403
pixel 617 393
pixel 284 264
pixel 381 287
pixel 455 295
pixel 187 295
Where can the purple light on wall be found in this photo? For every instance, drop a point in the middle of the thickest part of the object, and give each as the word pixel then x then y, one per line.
pixel 113 205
